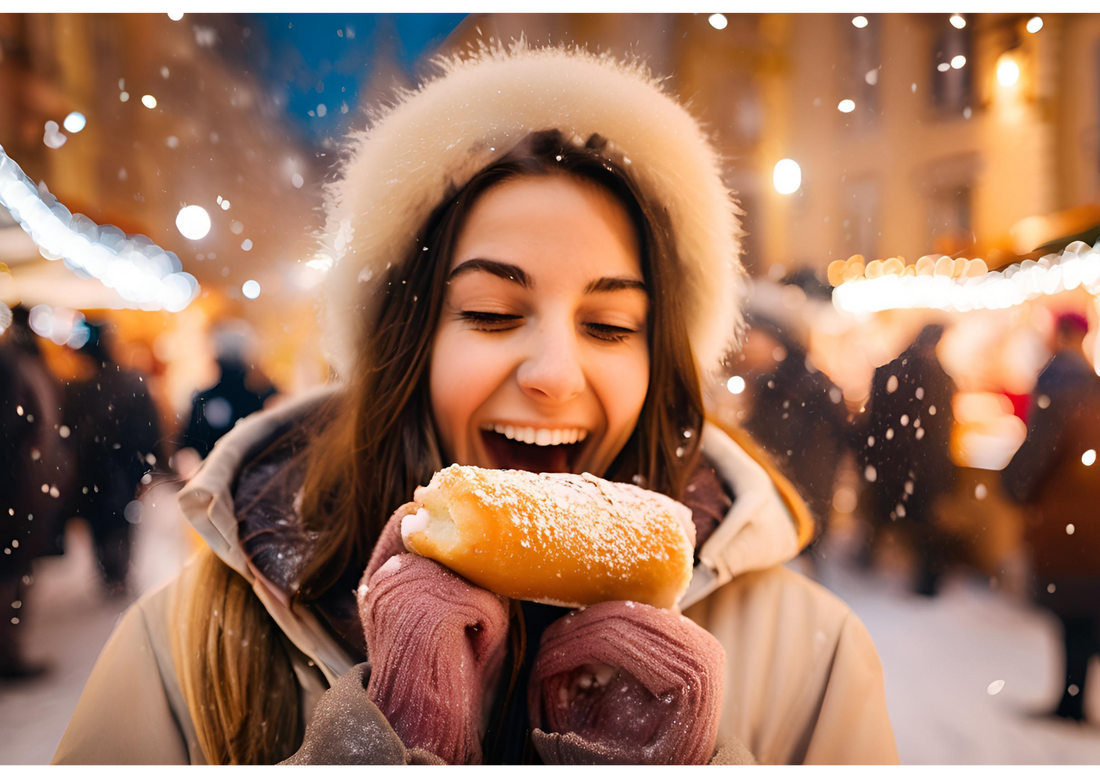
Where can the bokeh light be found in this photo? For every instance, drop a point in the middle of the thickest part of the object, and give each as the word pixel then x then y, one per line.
pixel 193 222
pixel 74 122
pixel 787 176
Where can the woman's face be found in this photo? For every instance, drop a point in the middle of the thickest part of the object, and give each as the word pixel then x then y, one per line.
pixel 540 360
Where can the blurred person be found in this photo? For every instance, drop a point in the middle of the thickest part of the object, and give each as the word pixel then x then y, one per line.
pixel 903 450
pixel 116 432
pixel 797 414
pixel 36 474
pixel 1054 476
pixel 239 391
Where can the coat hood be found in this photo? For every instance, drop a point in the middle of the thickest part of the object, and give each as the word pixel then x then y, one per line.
pixel 477 108
pixel 758 532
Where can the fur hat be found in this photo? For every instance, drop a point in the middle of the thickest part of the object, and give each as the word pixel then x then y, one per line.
pixel 480 105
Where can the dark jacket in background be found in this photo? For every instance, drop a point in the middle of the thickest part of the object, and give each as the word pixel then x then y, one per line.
pixel 909 417
pixel 1048 474
pixel 116 430
pixel 214 411
pixel 33 453
pixel 799 418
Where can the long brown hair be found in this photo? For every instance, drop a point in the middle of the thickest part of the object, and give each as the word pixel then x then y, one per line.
pixel 376 441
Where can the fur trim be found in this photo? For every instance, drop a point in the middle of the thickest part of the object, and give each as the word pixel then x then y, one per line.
pixel 482 104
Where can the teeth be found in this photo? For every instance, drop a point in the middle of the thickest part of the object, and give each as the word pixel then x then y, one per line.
pixel 539 437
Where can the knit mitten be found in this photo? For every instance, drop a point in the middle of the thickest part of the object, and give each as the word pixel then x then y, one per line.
pixel 626 683
pixel 436 644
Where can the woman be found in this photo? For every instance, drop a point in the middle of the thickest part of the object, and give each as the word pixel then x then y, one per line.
pixel 572 267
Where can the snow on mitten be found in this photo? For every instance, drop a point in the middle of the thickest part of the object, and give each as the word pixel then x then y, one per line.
pixel 626 683
pixel 436 643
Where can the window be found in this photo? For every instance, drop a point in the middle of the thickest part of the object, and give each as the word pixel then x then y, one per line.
pixel 948 195
pixel 952 87
pixel 859 80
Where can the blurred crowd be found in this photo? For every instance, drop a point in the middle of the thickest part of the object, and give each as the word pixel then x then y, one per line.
pixel 87 443
pixel 891 460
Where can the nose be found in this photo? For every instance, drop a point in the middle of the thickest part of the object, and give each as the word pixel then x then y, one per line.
pixel 552 370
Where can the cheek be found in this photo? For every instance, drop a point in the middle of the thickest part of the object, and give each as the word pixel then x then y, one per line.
pixel 621 383
pixel 464 373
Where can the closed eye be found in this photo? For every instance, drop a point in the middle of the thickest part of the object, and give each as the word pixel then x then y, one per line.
pixel 502 322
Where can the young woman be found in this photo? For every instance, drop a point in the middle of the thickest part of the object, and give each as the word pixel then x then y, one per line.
pixel 535 247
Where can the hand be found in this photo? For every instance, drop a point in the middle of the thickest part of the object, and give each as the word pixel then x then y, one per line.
pixel 436 644
pixel 625 683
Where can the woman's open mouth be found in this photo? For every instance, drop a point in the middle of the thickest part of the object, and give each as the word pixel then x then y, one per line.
pixel 537 450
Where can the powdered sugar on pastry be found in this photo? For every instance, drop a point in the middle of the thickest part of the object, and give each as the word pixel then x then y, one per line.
pixel 558 537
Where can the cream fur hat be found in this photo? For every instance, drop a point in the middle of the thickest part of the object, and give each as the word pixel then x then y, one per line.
pixel 478 108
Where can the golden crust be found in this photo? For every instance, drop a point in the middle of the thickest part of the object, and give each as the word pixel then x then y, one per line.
pixel 555 537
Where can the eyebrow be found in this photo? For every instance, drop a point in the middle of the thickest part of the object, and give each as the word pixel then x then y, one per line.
pixel 515 274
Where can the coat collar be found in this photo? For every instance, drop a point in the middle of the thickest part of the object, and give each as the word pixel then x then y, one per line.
pixel 758 531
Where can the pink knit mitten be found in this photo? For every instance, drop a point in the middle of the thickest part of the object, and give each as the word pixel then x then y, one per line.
pixel 625 683
pixel 436 644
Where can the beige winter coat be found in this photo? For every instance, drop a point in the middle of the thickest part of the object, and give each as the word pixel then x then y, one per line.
pixel 803 682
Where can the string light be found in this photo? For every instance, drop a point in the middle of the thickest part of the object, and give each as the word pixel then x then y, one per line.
pixel 1034 24
pixel 846 106
pixel 860 22
pixel 957 21
pixel 143 274
pixel 947 284
pixel 718 21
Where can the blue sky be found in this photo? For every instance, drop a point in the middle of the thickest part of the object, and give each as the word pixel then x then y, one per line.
pixel 324 59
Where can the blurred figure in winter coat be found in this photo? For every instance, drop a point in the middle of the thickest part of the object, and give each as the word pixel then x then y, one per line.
pixel 1055 476
pixel 904 453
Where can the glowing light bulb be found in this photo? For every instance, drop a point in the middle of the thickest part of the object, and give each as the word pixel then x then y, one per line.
pixel 860 22
pixel 251 289
pixel 846 106
pixel 718 21
pixel 787 176
pixel 1088 459
pixel 193 222
pixel 957 21
pixel 958 61
pixel 149 101
pixel 1008 72
pixel 74 122
pixel 1034 24
pixel 175 16
pixel 736 384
